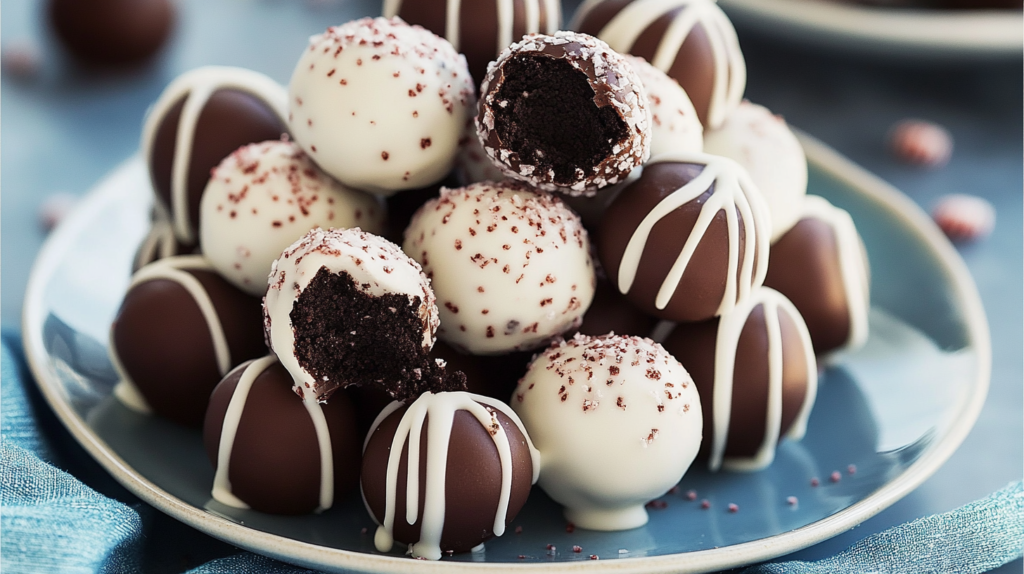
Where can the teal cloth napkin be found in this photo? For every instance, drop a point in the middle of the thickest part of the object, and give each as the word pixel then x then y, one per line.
pixel 50 521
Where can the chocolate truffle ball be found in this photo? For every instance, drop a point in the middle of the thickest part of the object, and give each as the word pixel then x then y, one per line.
pixel 757 377
pixel 274 452
pixel 381 105
pixel 199 119
pixel 762 143
pixel 611 312
pixel 674 123
pixel 112 32
pixel 262 198
pixel 692 41
pixel 564 113
pixel 345 307
pixel 480 30
pixel 511 267
pixel 689 239
pixel 617 421
pixel 821 266
pixel 476 466
pixel 159 243
pixel 180 329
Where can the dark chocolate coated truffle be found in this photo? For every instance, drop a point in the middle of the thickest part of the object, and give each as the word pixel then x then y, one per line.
pixel 481 30
pixel 703 55
pixel 821 266
pixel 611 312
pixel 564 113
pixel 463 498
pixel 689 239
pixel 180 329
pixel 755 370
pixel 112 32
pixel 158 244
pixel 278 443
pixel 214 110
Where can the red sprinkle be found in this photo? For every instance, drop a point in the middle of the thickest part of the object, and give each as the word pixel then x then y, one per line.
pixel 691 495
pixel 657 504
pixel 551 547
pixel 577 549
pixel 705 504
pixel 835 476
pixel 593 557
pixel 791 501
pixel 522 556
pixel 570 528
pixel 852 469
pixel 815 482
pixel 733 508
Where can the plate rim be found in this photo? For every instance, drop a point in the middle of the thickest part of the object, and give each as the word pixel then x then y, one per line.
pixel 945 33
pixel 315 556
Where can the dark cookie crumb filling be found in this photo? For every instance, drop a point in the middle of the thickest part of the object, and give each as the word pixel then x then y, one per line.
pixel 551 120
pixel 344 337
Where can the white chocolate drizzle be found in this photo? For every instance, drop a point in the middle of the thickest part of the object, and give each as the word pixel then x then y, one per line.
pixel 159 243
pixel 729 330
pixel 176 269
pixel 506 19
pixel 733 190
pixel 852 264
pixel 221 491
pixel 196 87
pixel 440 409
pixel 623 30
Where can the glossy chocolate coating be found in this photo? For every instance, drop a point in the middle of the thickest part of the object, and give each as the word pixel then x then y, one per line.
pixel 112 32
pixel 694 65
pixel 275 459
pixel 163 342
pixel 472 479
pixel 611 312
pixel 481 25
pixel 229 120
pixel 695 346
pixel 703 285
pixel 805 267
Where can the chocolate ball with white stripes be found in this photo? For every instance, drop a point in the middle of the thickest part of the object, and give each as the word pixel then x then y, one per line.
pixel 181 328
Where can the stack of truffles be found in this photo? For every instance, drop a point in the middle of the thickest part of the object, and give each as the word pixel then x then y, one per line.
pixel 608 268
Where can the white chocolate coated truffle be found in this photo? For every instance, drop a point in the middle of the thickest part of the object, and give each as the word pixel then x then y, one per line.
pixel 380 105
pixel 674 123
pixel 617 421
pixel 510 266
pixel 761 141
pixel 262 198
pixel 375 264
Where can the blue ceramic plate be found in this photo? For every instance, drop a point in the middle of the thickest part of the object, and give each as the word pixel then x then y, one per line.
pixel 886 418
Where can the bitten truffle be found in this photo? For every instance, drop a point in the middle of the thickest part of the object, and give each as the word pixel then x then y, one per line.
pixel 511 267
pixel 274 452
pixel 564 113
pixel 262 198
pixel 380 105
pixel 692 41
pixel 757 377
pixel 762 143
pixel 617 421
pixel 689 239
pixel 199 119
pixel 345 307
pixel 480 30
pixel 822 267
pixel 476 466
pixel 180 329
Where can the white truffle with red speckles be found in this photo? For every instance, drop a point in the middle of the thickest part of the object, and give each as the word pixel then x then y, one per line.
pixel 510 266
pixel 964 217
pixel 376 266
pixel 380 105
pixel 675 126
pixel 262 198
pixel 617 421
pixel 761 142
